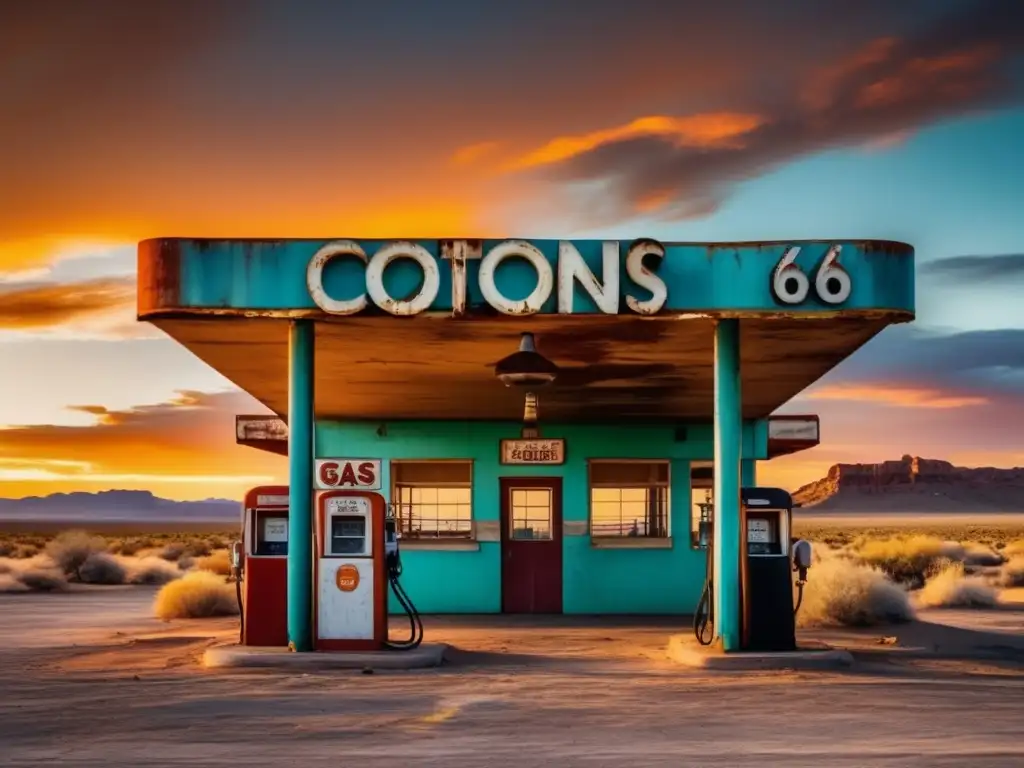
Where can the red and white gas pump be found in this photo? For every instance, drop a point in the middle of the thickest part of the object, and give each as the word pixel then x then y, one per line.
pixel 351 571
pixel 356 560
pixel 262 567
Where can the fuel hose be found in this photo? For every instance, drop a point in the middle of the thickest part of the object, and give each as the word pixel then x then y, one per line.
pixel 394 566
pixel 703 626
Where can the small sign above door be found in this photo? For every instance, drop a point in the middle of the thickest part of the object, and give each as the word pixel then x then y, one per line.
pixel 533 451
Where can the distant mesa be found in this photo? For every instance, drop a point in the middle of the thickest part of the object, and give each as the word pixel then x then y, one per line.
pixel 913 484
pixel 117 505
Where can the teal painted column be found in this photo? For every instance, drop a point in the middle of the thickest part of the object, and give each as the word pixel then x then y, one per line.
pixel 748 473
pixel 300 484
pixel 728 447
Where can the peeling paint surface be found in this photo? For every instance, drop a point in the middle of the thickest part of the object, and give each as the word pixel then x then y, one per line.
pixel 622 369
pixel 519 277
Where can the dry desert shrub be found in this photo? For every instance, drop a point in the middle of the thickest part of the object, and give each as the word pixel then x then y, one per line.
pixel 908 560
pixel 1012 573
pixel 102 568
pixel 218 562
pixel 149 570
pixel 1014 548
pixel 129 547
pixel 980 555
pixel 198 548
pixel 953 588
pixel 196 595
pixel 36 574
pixel 172 552
pixel 70 550
pixel 9 584
pixel 840 592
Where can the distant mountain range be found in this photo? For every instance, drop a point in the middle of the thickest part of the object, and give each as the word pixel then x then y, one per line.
pixel 913 484
pixel 909 484
pixel 113 506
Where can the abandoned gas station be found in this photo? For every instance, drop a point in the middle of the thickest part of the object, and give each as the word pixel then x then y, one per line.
pixel 542 417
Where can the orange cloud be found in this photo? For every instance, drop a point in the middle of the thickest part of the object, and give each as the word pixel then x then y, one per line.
pixel 183 449
pixel 473 153
pixel 948 73
pixel 714 129
pixel 821 90
pixel 905 397
pixel 33 306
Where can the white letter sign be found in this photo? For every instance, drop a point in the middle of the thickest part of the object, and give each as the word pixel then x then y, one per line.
pixel 375 278
pixel 524 250
pixel 645 278
pixel 572 267
pixel 315 278
pixel 357 474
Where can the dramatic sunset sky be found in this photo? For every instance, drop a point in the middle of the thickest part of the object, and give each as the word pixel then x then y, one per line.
pixel 683 121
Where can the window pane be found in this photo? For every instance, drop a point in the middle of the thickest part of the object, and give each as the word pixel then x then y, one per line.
pixel 453 495
pixel 432 473
pixel 538 498
pixel 629 473
pixel 433 498
pixel 530 514
pixel 638 507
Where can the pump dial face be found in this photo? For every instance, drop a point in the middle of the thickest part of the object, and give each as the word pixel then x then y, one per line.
pixel 355 505
pixel 758 531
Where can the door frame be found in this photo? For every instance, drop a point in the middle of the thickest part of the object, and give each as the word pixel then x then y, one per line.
pixel 549 482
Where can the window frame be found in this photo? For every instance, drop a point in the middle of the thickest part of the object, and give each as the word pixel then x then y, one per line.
pixel 625 540
pixel 396 504
pixel 693 516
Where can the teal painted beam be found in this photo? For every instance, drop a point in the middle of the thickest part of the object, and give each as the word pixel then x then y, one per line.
pixel 728 447
pixel 300 484
pixel 748 473
pixel 805 277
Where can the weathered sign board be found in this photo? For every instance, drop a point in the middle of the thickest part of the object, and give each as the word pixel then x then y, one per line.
pixel 537 451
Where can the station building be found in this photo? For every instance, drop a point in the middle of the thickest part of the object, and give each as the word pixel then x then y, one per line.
pixel 575 496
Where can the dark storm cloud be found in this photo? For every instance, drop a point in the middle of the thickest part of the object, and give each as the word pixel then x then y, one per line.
pixel 949 65
pixel 976 269
pixel 124 120
pixel 990 361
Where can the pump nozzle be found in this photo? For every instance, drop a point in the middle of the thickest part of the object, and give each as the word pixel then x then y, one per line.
pixel 802 559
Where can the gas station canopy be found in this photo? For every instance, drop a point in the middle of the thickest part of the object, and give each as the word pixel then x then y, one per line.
pixel 413 329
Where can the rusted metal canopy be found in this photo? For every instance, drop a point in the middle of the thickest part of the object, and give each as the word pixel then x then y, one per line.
pixel 610 368
pixel 629 326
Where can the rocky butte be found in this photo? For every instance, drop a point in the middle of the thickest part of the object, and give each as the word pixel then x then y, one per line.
pixel 913 484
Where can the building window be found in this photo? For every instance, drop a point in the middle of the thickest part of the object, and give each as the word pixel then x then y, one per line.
pixel 629 499
pixel 531 514
pixel 433 499
pixel 702 481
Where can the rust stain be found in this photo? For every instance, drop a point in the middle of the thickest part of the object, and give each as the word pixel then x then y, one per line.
pixel 159 281
pixel 255 428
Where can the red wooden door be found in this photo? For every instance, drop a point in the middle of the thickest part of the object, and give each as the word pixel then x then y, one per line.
pixel 531 545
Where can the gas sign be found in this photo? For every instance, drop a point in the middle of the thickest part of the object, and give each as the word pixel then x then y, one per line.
pixel 358 474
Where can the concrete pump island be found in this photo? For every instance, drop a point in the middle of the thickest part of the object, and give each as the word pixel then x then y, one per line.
pixel 521 426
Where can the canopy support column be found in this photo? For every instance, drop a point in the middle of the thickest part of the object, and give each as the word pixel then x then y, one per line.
pixel 301 360
pixel 728 446
pixel 748 473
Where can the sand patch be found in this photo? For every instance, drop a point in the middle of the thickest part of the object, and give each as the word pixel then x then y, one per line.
pixel 137 655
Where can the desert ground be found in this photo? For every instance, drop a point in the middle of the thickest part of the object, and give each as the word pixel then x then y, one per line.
pixel 90 677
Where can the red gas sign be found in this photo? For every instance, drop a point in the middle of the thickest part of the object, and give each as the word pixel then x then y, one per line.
pixel 360 474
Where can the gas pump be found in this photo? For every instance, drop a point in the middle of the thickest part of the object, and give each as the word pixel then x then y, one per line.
pixel 357 558
pixel 768 557
pixel 260 567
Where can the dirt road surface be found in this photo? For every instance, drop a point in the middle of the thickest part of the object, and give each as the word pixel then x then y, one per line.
pixel 89 679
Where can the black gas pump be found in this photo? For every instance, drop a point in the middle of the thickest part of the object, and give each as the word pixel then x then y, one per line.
pixel 768 557
pixel 393 561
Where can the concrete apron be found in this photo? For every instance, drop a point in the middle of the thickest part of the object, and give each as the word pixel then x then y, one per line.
pixel 685 650
pixel 426 655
